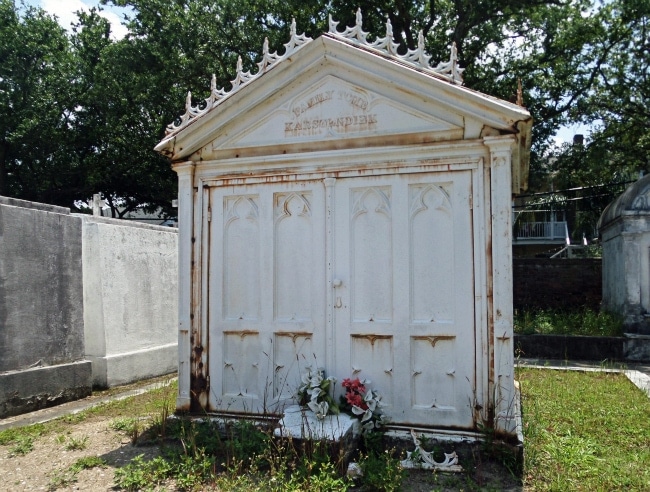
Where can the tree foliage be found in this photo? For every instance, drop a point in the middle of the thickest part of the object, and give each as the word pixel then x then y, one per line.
pixel 618 102
pixel 81 112
pixel 36 102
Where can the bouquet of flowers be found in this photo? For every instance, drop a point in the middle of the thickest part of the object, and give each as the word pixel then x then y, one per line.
pixel 364 403
pixel 315 392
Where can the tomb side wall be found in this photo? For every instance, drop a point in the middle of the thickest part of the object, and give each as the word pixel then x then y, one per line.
pixel 41 308
pixel 130 273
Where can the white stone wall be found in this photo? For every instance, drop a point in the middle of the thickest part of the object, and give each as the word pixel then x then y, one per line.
pixel 130 275
pixel 41 319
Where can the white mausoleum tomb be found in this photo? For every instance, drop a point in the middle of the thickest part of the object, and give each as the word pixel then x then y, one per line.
pixel 349 208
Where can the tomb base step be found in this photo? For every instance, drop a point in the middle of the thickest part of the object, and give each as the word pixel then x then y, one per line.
pixel 339 432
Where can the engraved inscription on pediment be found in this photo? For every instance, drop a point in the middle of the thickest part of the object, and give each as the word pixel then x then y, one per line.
pixel 337 109
pixel 331 111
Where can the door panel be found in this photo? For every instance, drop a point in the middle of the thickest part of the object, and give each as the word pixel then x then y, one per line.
pixel 404 316
pixel 266 293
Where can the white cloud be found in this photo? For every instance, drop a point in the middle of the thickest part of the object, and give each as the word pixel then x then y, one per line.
pixel 65 12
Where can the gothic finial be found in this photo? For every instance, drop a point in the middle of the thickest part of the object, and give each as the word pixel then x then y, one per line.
pixel 332 24
pixel 356 35
pixel 296 40
pixel 389 29
pixel 520 94
pixel 418 56
pixel 216 95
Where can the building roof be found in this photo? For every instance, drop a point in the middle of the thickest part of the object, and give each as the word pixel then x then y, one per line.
pixel 272 108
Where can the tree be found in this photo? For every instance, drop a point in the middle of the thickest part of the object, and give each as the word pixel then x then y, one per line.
pixel 36 107
pixel 618 103
pixel 117 121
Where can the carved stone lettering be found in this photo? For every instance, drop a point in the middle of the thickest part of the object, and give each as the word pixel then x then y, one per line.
pixel 312 101
pixel 339 111
pixel 341 124
pixel 355 100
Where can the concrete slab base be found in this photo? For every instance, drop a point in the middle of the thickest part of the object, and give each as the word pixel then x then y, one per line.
pixel 300 423
pixel 41 387
pixel 340 432
pixel 118 369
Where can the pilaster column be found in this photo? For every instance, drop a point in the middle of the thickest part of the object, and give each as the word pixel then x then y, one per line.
pixel 501 315
pixel 330 272
pixel 185 172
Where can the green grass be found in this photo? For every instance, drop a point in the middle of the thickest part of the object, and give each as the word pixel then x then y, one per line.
pixel 585 322
pixel 584 431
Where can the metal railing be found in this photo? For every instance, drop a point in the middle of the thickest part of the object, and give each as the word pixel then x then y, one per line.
pixel 541 230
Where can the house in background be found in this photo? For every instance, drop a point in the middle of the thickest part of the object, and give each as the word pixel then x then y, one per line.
pixel 560 223
pixel 539 225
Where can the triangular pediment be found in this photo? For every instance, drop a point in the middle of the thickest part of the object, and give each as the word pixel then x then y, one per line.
pixel 330 93
pixel 332 108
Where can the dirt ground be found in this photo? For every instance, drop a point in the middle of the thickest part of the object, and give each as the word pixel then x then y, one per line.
pixel 48 462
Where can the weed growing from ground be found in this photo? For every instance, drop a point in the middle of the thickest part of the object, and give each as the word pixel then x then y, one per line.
pixel 21 446
pixel 69 476
pixel 77 443
pixel 207 453
pixel 75 418
pixel 128 425
pixel 586 322
pixel 382 471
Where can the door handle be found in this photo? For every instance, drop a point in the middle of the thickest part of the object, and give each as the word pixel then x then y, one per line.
pixel 337 282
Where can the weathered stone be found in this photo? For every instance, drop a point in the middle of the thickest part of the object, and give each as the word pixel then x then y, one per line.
pixel 130 283
pixel 27 390
pixel 349 208
pixel 625 233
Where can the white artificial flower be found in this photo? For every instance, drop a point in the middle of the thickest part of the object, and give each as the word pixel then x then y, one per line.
pixel 357 410
pixel 316 379
pixel 320 409
pixel 368 426
pixel 371 399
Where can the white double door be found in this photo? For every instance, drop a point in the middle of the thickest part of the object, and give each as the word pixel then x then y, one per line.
pixel 368 277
